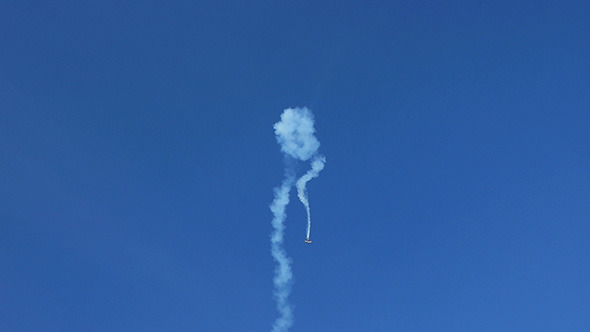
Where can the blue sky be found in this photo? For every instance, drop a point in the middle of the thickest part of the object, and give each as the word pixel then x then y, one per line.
pixel 138 159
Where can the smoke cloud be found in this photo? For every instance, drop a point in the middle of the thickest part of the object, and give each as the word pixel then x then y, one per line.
pixel 295 134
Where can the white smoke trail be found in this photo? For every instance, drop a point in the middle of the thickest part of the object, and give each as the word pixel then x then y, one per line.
pixel 283 276
pixel 295 134
pixel 316 166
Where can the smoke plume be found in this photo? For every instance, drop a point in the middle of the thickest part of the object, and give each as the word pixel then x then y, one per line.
pixel 295 134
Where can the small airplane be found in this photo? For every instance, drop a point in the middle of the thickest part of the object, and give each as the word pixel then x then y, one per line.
pixel 308 240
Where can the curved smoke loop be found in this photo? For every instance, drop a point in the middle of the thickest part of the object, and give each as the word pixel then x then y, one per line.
pixel 295 134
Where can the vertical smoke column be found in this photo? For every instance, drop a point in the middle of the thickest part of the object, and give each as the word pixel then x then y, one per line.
pixel 283 277
pixel 295 134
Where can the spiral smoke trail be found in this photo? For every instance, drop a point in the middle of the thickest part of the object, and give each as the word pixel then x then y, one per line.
pixel 295 134
pixel 316 166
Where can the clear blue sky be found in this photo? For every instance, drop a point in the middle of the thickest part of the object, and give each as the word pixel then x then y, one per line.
pixel 137 161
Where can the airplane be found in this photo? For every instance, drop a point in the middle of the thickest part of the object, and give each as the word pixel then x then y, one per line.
pixel 308 240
